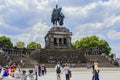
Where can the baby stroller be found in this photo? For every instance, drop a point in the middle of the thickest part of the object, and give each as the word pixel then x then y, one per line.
pixel 24 75
pixel 31 75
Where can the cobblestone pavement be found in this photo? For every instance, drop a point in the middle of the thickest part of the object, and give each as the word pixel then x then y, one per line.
pixel 82 74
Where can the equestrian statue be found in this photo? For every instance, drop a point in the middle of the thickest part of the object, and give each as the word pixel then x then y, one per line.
pixel 57 16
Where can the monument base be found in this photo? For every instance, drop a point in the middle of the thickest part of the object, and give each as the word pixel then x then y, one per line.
pixel 58 37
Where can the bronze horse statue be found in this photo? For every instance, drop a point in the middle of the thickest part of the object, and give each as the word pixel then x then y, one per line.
pixel 57 16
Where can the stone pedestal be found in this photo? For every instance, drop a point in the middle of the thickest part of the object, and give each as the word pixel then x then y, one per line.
pixel 58 37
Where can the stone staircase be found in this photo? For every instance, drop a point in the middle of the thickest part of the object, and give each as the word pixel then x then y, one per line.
pixel 103 62
pixel 27 61
pixel 50 57
pixel 5 59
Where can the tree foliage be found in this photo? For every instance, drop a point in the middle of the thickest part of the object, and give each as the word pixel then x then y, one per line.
pixel 20 44
pixel 6 41
pixel 92 42
pixel 112 56
pixel 34 45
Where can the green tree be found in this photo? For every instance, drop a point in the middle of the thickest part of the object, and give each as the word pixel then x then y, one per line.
pixel 34 45
pixel 92 42
pixel 20 44
pixel 112 56
pixel 87 42
pixel 6 41
pixel 105 43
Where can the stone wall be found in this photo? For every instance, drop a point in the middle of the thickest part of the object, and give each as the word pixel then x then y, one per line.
pixel 61 55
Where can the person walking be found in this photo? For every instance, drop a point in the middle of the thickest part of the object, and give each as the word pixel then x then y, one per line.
pixel 12 69
pixel 0 68
pixel 43 69
pixel 39 68
pixel 95 71
pixel 58 69
pixel 36 71
pixel 67 72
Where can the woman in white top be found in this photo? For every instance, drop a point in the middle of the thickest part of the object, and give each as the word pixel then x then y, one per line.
pixel 67 71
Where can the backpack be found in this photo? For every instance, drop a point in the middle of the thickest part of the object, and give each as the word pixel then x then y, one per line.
pixel 58 70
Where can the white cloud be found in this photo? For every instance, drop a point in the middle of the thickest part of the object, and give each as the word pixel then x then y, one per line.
pixel 79 35
pixel 7 26
pixel 89 28
pixel 113 34
pixel 16 3
pixel 116 50
pixel 1 7
pixel 111 21
pixel 93 28
pixel 78 11
pixel 33 33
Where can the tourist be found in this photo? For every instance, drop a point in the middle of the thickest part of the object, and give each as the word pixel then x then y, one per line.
pixel 39 68
pixel 0 68
pixel 58 69
pixel 95 71
pixel 67 72
pixel 17 72
pixel 36 71
pixel 43 68
pixel 21 62
pixel 5 75
pixel 7 69
pixel 13 68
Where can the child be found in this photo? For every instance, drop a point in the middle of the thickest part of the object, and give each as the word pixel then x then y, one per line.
pixel 5 74
pixel 17 73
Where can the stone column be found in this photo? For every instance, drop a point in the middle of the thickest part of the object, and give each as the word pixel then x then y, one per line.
pixel 57 41
pixel 51 42
pixel 62 40
pixel 68 42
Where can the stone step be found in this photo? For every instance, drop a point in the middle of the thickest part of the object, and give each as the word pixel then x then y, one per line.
pixel 28 62
pixel 103 62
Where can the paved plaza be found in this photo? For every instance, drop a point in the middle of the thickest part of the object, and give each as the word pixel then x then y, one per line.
pixel 83 74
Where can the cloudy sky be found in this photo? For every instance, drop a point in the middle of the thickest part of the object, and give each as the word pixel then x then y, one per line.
pixel 29 20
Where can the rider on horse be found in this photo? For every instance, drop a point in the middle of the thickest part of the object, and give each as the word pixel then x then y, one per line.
pixel 57 16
